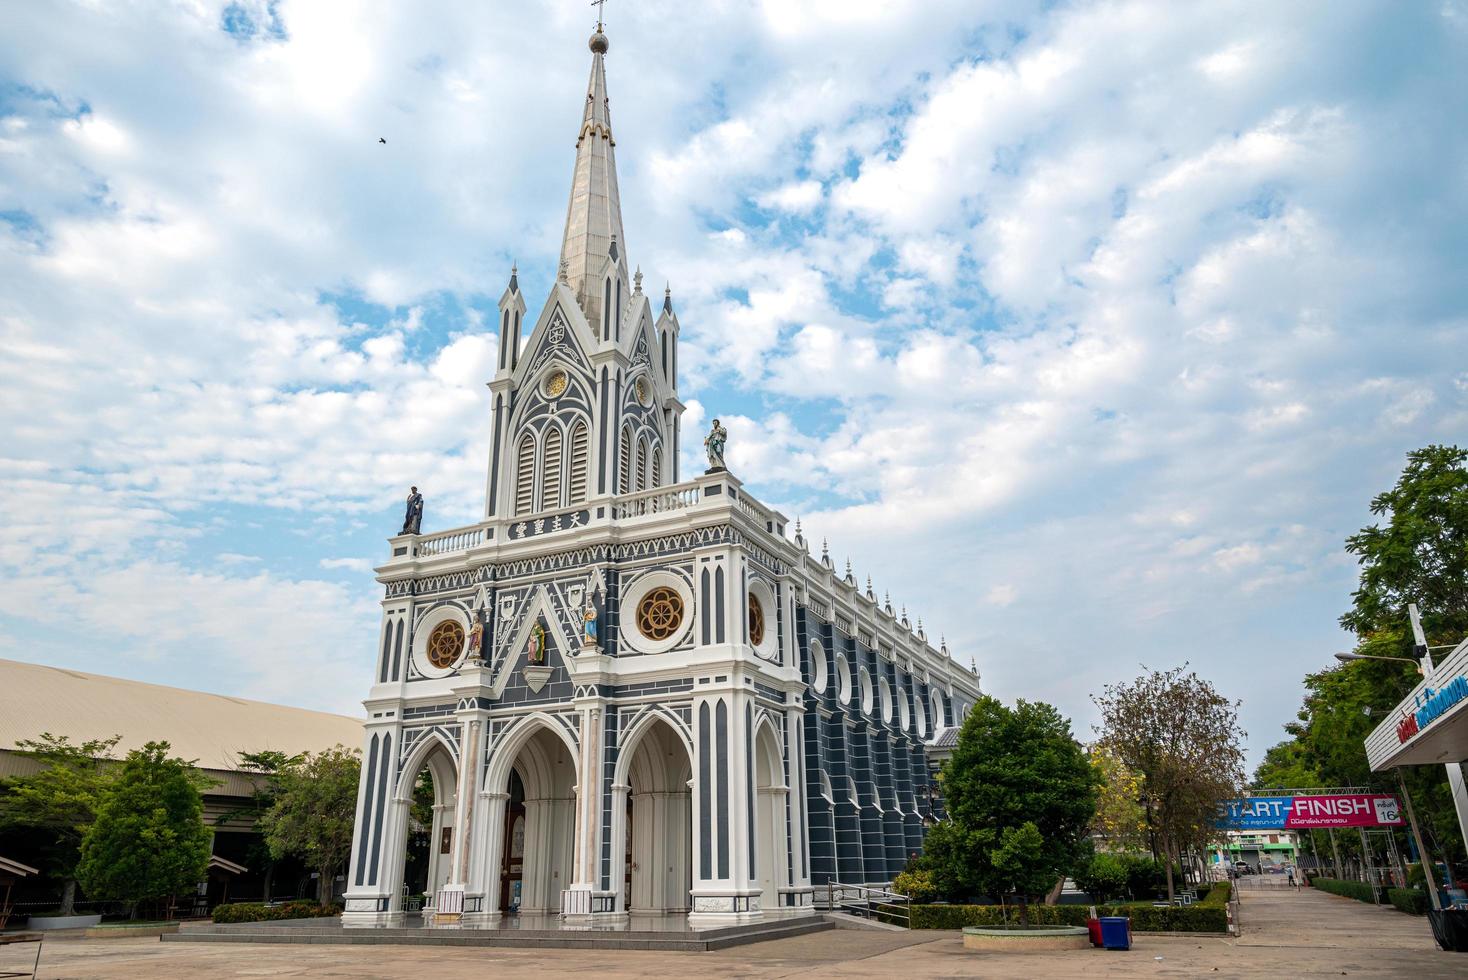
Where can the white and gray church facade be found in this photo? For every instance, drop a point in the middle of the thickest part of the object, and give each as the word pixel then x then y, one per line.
pixel 635 692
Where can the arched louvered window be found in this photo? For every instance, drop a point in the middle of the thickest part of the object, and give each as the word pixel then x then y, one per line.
pixel 550 474
pixel 624 464
pixel 525 475
pixel 655 471
pixel 642 464
pixel 580 454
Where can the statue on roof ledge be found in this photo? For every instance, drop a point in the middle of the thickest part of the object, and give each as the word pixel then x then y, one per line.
pixel 713 444
pixel 413 519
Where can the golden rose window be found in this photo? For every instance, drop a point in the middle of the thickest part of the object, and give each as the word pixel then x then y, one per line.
pixel 445 644
pixel 660 613
pixel 756 621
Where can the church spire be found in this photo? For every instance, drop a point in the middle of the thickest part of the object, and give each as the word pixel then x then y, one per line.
pixel 593 249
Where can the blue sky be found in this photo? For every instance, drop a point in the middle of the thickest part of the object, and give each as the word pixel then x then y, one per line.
pixel 1087 330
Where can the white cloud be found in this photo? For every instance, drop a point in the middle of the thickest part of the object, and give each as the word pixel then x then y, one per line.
pixel 1127 308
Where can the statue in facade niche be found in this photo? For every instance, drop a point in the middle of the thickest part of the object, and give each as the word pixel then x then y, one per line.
pixel 535 648
pixel 588 623
pixel 476 640
pixel 713 444
pixel 413 519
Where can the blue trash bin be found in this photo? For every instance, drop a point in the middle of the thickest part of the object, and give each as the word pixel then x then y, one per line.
pixel 1116 932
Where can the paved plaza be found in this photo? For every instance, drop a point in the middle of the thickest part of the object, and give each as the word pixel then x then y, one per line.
pixel 1287 933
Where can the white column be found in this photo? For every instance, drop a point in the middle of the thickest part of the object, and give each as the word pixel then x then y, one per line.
pixel 588 814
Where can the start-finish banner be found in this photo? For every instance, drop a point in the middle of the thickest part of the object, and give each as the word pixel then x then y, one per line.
pixel 1364 810
pixel 1307 812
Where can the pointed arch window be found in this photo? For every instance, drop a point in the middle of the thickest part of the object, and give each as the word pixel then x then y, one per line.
pixel 580 455
pixel 525 475
pixel 641 464
pixel 550 474
pixel 606 311
pixel 655 470
pixel 624 482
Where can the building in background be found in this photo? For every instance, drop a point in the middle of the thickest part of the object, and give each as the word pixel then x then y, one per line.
pixel 633 690
pixel 211 730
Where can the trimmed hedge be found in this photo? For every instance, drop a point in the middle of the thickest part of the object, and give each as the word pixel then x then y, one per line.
pixel 1358 890
pixel 1413 901
pixel 256 912
pixel 1205 916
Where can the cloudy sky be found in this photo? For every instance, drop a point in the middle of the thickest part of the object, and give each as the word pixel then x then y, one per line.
pixel 1088 330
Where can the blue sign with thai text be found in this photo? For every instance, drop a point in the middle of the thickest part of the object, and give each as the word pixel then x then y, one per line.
pixel 1255 813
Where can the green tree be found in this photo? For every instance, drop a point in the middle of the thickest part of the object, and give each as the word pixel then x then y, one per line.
pixel 315 804
pixel 1182 738
pixel 149 840
pixel 1420 555
pixel 59 801
pixel 1020 795
pixel 1120 819
pixel 261 769
pixel 1103 877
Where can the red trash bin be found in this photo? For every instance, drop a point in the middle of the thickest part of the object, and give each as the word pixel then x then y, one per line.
pixel 1094 926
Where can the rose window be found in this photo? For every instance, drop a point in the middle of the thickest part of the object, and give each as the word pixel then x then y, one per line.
pixel 756 621
pixel 660 613
pixel 445 644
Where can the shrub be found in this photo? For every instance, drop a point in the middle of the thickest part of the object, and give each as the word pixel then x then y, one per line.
pixel 1145 876
pixel 1103 877
pixel 1413 901
pixel 916 884
pixel 256 912
pixel 1358 890
pixel 1216 896
pixel 1193 918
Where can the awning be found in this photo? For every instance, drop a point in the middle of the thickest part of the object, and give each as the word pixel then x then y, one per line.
pixel 224 864
pixel 1430 726
pixel 15 868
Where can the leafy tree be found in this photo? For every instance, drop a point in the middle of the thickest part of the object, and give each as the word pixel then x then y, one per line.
pixel 1120 818
pixel 59 801
pixel 1421 555
pixel 1104 877
pixel 1020 796
pixel 149 839
pixel 1182 738
pixel 261 768
pixel 311 817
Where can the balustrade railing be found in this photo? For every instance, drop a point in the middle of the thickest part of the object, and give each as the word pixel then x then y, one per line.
pixel 448 542
pixel 656 501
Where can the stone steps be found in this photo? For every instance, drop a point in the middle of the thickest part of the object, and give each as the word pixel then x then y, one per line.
pixel 690 941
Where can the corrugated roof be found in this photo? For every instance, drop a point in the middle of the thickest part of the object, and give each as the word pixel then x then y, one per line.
pixel 210 728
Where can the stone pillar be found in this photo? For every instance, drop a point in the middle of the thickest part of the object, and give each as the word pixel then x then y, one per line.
pixel 797 896
pixel 725 884
pixel 489 851
pixel 371 897
pixel 579 898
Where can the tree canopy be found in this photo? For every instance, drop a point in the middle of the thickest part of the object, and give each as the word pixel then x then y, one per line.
pixel 1182 739
pixel 1019 795
pixel 60 800
pixel 1421 553
pixel 149 840
pixel 312 814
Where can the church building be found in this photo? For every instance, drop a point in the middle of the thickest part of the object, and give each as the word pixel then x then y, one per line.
pixel 633 690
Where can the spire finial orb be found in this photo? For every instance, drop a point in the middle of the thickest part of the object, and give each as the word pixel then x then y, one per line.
pixel 598 43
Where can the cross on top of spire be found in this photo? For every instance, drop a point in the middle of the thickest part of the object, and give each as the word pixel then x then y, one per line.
pixel 599 5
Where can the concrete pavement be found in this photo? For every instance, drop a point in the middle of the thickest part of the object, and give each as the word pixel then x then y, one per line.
pixel 1286 934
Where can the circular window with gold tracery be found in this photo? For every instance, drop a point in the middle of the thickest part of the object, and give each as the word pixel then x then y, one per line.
pixel 660 613
pixel 445 644
pixel 756 621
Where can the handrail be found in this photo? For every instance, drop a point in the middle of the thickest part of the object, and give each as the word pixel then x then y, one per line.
pixel 870 903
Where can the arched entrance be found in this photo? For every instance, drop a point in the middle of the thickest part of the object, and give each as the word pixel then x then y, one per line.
pixel 535 845
pixel 771 829
pixel 654 768
pixel 428 831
